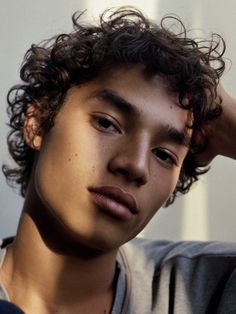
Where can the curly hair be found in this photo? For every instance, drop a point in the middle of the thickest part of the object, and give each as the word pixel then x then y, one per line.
pixel 124 36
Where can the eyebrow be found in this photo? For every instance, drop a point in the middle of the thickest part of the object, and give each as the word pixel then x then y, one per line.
pixel 179 137
pixel 122 105
pixel 117 102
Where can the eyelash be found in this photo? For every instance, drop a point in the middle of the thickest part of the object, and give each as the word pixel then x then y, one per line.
pixel 101 120
pixel 165 157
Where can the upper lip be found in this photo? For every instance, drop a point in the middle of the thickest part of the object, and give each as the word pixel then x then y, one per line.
pixel 118 195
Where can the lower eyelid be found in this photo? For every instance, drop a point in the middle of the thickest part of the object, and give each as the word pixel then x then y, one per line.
pixel 174 160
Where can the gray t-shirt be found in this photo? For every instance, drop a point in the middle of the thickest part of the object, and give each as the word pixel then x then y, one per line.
pixel 165 277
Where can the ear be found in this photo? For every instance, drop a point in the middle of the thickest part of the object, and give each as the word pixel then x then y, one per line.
pixel 31 129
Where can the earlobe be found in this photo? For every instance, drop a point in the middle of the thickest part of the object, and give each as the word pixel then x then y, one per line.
pixel 31 128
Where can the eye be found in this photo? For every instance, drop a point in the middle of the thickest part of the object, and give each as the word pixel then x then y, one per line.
pixel 106 124
pixel 165 156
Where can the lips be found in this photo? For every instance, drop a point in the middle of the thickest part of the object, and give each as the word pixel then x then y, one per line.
pixel 115 200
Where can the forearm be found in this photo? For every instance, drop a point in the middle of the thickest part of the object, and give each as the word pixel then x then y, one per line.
pixel 221 133
pixel 224 129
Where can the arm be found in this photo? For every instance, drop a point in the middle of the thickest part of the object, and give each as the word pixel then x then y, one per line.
pixel 222 132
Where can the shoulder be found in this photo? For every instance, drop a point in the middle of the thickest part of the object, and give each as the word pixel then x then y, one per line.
pixel 184 275
pixel 164 251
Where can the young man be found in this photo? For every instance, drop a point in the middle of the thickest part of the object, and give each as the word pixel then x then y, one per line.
pixel 110 123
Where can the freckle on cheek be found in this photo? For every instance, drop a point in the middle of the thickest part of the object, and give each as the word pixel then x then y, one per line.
pixel 69 159
pixel 76 155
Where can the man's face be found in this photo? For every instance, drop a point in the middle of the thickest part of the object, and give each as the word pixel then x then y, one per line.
pixel 113 157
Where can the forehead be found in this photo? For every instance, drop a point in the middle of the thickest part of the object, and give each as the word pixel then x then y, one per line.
pixel 145 103
pixel 150 95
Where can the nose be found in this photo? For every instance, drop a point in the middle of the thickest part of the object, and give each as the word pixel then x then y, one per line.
pixel 131 161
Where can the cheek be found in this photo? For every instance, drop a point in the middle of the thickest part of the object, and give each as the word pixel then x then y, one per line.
pixel 161 188
pixel 65 167
pixel 167 181
pixel 156 196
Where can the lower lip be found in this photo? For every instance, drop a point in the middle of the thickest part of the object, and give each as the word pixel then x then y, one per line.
pixel 112 207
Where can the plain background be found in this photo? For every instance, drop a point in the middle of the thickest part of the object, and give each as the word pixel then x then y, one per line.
pixel 208 212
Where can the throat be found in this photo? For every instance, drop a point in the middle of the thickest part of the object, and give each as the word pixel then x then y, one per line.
pixel 67 290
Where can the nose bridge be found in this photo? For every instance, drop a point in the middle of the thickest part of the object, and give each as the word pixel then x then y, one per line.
pixel 132 160
pixel 137 151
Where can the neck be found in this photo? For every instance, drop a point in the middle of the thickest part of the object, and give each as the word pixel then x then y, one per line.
pixel 55 279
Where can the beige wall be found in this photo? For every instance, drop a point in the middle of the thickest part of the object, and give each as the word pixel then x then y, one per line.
pixel 208 212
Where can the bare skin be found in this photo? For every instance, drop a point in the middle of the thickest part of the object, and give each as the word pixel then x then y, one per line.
pixel 66 246
pixel 62 284
pixel 221 132
pixel 67 267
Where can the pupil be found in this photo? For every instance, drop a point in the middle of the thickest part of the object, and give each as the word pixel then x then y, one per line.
pixel 163 155
pixel 104 123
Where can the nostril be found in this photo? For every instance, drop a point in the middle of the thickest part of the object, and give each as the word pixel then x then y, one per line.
pixel 123 171
pixel 140 181
pixel 131 176
pixel 130 168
